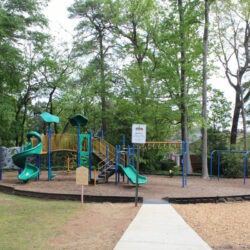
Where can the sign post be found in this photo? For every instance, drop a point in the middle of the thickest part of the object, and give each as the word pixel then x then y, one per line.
pixel 138 137
pixel 82 179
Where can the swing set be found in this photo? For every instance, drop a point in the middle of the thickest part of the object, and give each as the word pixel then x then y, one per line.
pixel 219 153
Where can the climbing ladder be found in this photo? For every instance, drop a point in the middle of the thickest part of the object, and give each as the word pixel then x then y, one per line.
pixel 106 166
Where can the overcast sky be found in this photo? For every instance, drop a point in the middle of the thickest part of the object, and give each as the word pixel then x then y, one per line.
pixel 62 28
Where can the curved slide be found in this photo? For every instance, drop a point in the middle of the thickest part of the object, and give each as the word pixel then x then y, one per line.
pixel 131 172
pixel 30 171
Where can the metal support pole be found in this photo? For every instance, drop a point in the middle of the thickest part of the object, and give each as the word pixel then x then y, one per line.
pixel 187 155
pixel 218 165
pixel 78 146
pixel 211 164
pixel 107 160
pixel 116 164
pixel 90 154
pixel 137 175
pixel 49 151
pixel 118 157
pixel 133 154
pixel 128 159
pixel 182 162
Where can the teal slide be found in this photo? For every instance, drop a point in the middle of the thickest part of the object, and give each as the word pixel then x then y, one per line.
pixel 131 172
pixel 29 170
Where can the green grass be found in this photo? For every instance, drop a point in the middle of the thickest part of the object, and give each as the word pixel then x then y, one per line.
pixel 30 223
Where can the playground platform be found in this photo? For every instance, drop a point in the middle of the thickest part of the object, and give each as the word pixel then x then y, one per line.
pixel 158 188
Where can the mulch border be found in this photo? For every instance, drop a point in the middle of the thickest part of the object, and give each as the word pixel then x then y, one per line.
pixel 215 199
pixel 120 199
pixel 71 197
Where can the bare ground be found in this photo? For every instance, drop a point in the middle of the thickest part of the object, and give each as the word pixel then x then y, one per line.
pixel 95 226
pixel 222 226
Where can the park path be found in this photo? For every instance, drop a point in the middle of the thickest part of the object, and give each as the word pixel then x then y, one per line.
pixel 159 226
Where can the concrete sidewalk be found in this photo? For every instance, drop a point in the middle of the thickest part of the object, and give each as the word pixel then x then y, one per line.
pixel 159 226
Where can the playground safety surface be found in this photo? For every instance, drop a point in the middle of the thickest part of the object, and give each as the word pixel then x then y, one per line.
pixel 64 187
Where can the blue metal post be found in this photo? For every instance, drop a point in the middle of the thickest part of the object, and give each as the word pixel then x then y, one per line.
pixel 187 155
pixel 218 165
pixel 182 162
pixel 133 154
pixel 78 146
pixel 90 153
pixel 49 151
pixel 107 159
pixel 128 160
pixel 118 156
pixel 211 164
pixel 116 164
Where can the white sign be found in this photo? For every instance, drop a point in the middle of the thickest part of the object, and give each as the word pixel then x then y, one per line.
pixel 139 133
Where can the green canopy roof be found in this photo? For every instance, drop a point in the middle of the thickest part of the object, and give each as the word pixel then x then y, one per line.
pixel 47 117
pixel 78 119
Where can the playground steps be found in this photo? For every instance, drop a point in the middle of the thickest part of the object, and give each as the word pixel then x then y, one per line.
pixel 104 176
pixel 99 155
pixel 106 165
pixel 107 173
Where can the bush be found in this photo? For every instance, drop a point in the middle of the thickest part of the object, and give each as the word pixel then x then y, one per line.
pixel 232 165
pixel 167 164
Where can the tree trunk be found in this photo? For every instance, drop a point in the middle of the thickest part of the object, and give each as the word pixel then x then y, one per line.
pixel 103 85
pixel 236 117
pixel 184 119
pixel 243 113
pixel 50 106
pixel 204 92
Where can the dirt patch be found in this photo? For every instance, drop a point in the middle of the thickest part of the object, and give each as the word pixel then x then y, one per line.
pixel 222 226
pixel 95 226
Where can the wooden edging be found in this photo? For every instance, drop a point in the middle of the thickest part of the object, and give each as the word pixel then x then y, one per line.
pixel 121 199
pixel 71 197
pixel 215 199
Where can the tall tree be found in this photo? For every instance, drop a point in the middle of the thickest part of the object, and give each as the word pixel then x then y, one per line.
pixel 20 23
pixel 204 89
pixel 134 22
pixel 94 40
pixel 233 33
pixel 187 20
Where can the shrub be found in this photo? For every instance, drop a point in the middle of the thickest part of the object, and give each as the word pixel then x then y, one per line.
pixel 232 165
pixel 167 164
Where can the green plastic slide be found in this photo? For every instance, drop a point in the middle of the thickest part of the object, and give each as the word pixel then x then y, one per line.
pixel 131 172
pixel 29 170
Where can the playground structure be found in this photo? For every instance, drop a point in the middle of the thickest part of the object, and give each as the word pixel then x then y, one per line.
pixel 118 160
pixel 110 160
pixel 219 153
pixel 80 148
